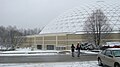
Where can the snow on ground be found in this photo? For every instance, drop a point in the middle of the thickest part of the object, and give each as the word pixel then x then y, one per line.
pixel 40 52
pixel 28 51
pixel 88 52
pixel 28 54
pixel 53 64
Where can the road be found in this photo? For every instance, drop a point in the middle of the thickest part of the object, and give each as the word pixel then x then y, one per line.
pixel 46 58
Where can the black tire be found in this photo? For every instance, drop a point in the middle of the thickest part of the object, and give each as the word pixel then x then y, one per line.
pixel 100 62
pixel 117 65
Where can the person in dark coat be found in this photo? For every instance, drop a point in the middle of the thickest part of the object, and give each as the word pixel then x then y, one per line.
pixel 72 50
pixel 78 49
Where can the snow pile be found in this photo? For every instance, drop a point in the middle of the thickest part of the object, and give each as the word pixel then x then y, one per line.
pixel 30 52
pixel 88 52
pixel 54 64
pixel 23 49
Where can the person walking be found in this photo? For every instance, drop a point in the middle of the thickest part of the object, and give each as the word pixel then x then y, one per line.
pixel 78 50
pixel 72 49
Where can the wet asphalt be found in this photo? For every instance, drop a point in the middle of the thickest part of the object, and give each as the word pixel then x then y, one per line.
pixel 47 58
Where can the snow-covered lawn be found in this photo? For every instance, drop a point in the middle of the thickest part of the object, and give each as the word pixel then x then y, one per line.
pixel 53 64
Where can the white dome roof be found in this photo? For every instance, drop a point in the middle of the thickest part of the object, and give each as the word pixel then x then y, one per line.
pixel 72 21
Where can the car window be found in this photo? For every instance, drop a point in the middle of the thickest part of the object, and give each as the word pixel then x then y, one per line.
pixel 108 52
pixel 116 53
pixel 103 52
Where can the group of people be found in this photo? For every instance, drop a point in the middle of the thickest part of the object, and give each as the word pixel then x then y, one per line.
pixel 77 48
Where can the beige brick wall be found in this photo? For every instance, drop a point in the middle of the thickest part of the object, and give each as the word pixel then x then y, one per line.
pixel 66 40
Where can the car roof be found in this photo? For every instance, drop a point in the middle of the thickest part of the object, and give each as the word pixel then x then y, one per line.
pixel 113 49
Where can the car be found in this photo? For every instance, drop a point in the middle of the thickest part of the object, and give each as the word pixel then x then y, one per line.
pixel 109 57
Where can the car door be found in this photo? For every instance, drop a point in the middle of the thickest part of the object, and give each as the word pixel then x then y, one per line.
pixel 107 59
pixel 102 56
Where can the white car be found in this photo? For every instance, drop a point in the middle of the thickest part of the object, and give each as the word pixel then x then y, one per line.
pixel 109 57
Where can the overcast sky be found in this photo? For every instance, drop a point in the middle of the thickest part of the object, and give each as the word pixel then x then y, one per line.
pixel 35 13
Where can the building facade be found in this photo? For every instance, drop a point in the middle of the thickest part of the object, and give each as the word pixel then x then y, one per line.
pixel 62 41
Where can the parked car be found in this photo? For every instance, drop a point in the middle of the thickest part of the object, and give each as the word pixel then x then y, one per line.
pixel 109 57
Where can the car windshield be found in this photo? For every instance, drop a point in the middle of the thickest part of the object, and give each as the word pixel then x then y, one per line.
pixel 116 53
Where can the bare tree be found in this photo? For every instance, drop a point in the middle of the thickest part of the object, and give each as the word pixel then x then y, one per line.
pixel 30 31
pixel 97 26
pixel 2 35
pixel 12 37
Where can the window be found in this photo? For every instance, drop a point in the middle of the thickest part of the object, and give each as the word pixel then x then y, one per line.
pixel 50 47
pixel 61 48
pixel 103 52
pixel 116 53
pixel 108 52
pixel 39 46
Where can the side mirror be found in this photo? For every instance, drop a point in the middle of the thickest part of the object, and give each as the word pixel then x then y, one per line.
pixel 110 56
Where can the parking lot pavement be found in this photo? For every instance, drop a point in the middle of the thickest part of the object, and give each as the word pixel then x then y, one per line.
pixel 46 58
pixel 53 64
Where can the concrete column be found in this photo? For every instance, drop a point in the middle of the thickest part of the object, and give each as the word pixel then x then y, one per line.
pixel 56 42
pixel 43 45
pixel 33 46
pixel 34 40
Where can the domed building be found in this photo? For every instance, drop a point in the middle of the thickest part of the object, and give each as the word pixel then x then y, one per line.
pixel 73 20
pixel 69 27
